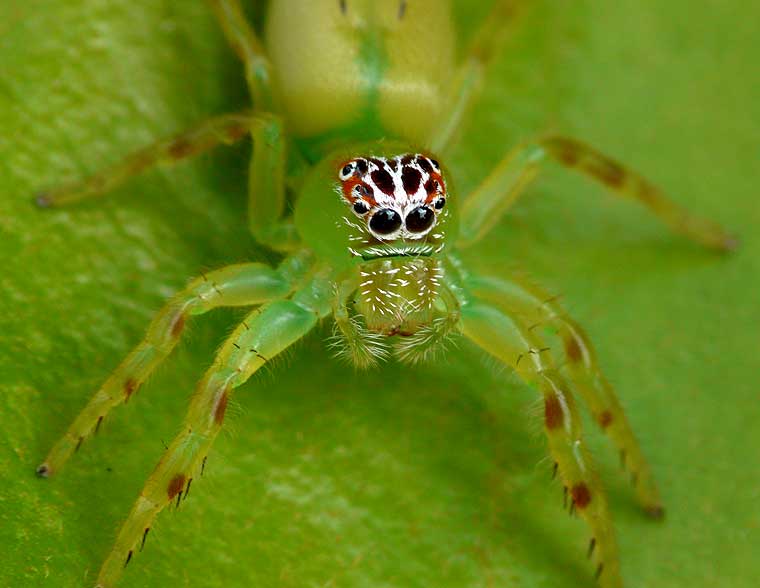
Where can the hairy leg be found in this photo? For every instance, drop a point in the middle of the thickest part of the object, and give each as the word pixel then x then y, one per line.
pixel 226 129
pixel 522 349
pixel 243 40
pixel 483 208
pixel 466 86
pixel 236 285
pixel 262 335
pixel 539 309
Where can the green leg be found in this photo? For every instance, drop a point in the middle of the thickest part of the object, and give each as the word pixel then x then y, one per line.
pixel 266 189
pixel 266 186
pixel 468 82
pixel 263 334
pixel 226 129
pixel 540 309
pixel 236 285
pixel 483 208
pixel 522 349
pixel 243 40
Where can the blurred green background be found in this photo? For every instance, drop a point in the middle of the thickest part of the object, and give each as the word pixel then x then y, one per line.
pixel 432 476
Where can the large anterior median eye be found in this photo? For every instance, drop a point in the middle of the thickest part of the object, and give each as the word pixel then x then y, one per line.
pixel 385 221
pixel 420 219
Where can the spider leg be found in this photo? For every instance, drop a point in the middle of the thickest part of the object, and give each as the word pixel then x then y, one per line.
pixel 512 342
pixel 538 308
pixel 236 285
pixel 467 83
pixel 227 129
pixel 266 187
pixel 263 334
pixel 244 41
pixel 482 209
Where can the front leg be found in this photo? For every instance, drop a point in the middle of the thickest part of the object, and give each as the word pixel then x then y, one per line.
pixel 263 334
pixel 245 284
pixel 516 297
pixel 518 347
pixel 483 208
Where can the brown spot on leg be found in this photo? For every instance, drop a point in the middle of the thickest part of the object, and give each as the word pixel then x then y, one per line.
pixel 237 132
pixel 573 349
pixel 567 152
pixel 175 486
pixel 605 419
pixel 130 385
pixel 221 408
pixel 180 148
pixel 553 413
pixel 581 495
pixel 178 325
pixel 607 171
pixel 656 512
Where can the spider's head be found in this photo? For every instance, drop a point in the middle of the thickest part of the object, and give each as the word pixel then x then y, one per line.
pixel 391 202
pixel 394 205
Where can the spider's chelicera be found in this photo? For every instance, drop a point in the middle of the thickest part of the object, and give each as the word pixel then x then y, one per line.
pixel 353 89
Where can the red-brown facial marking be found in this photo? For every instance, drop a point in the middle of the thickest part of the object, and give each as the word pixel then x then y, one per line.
pixel 411 179
pixel 354 189
pixel 383 180
pixel 581 495
pixel 130 385
pixel 553 413
pixel 175 486
pixel 433 187
pixel 221 408
pixel 605 419
pixel 573 350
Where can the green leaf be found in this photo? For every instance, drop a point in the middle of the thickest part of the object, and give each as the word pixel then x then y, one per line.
pixel 431 476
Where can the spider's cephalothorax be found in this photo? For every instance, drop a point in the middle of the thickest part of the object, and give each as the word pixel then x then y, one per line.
pixel 355 94
pixel 396 216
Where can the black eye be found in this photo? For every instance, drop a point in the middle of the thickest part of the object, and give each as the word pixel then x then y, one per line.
pixel 439 203
pixel 385 221
pixel 420 219
pixel 436 165
pixel 361 207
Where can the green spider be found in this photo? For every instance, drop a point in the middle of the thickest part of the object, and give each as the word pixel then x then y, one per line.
pixel 355 103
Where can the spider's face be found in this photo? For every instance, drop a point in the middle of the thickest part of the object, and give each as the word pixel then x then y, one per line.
pixel 395 204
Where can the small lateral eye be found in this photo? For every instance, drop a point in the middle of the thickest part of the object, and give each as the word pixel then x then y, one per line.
pixel 361 207
pixel 436 165
pixel 439 203
pixel 385 221
pixel 361 190
pixel 347 171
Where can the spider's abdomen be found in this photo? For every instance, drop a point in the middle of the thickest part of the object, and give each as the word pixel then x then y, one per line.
pixel 360 69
